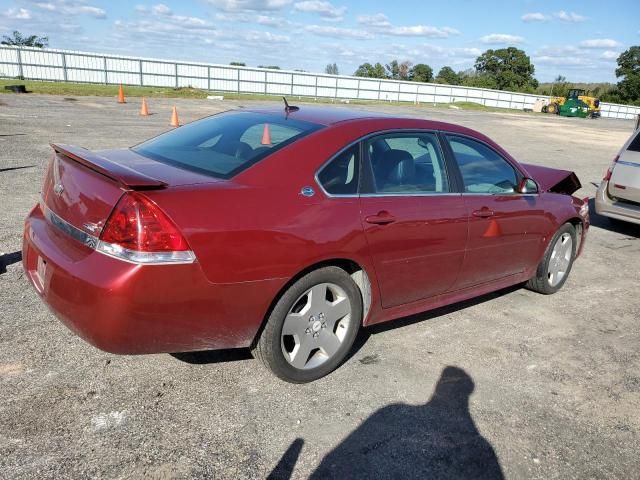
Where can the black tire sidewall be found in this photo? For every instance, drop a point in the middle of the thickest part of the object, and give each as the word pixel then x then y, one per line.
pixel 272 333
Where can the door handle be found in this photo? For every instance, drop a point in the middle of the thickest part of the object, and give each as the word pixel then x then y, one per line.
pixel 483 213
pixel 382 218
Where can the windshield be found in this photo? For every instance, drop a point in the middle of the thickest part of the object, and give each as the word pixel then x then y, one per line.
pixel 224 145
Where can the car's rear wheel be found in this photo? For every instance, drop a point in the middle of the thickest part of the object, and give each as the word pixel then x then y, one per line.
pixel 312 326
pixel 553 270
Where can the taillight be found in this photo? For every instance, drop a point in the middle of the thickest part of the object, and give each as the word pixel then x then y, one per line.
pixel 138 231
pixel 607 175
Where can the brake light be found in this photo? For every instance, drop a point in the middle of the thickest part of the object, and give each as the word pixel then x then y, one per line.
pixel 609 172
pixel 139 231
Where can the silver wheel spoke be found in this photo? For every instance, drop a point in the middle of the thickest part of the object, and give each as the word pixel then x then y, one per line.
pixel 302 352
pixel 294 324
pixel 318 297
pixel 329 343
pixel 337 311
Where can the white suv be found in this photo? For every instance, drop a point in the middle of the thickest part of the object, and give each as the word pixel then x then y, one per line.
pixel 619 194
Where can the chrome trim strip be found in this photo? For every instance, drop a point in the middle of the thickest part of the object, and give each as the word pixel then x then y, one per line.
pixel 64 226
pixel 94 242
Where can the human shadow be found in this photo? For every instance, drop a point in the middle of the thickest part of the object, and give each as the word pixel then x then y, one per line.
pixel 9 259
pixel 284 469
pixel 436 440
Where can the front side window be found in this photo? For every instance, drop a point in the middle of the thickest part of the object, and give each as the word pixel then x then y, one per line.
pixel 340 176
pixel 224 145
pixel 407 163
pixel 482 169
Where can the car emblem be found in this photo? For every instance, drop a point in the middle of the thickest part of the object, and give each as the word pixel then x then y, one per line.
pixel 308 191
pixel 58 189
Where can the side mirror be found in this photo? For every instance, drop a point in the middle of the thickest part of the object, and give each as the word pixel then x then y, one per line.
pixel 527 185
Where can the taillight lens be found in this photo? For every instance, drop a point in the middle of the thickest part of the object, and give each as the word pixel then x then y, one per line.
pixel 609 172
pixel 139 231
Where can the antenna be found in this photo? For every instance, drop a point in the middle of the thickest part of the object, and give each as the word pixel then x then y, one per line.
pixel 289 108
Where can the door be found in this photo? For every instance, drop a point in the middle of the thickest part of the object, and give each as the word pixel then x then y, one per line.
pixel 505 227
pixel 415 225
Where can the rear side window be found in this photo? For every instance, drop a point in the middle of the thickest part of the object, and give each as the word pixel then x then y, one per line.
pixel 226 144
pixel 340 176
pixel 482 169
pixel 634 146
pixel 407 163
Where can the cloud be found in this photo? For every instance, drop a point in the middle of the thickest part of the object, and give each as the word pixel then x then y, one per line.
pixel 17 14
pixel 72 7
pixel 329 31
pixel 599 43
pixel 379 23
pixel 500 39
pixel 379 20
pixel 321 7
pixel 569 17
pixel 609 55
pixel 534 17
pixel 249 5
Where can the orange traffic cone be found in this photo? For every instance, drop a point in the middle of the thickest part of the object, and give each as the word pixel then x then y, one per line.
pixel 175 122
pixel 266 135
pixel 493 229
pixel 121 95
pixel 144 109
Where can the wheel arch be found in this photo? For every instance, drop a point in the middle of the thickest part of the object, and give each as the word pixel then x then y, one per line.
pixel 357 272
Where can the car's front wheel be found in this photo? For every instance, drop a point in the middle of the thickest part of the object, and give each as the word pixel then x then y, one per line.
pixel 553 270
pixel 312 326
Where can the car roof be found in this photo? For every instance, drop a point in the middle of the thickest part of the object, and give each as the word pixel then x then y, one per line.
pixel 331 115
pixel 320 115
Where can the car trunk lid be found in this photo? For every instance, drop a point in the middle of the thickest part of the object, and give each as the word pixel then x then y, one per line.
pixel 625 178
pixel 82 187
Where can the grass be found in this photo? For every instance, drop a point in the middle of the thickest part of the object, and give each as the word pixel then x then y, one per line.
pixel 88 89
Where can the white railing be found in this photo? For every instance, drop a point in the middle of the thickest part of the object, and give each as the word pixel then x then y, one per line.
pixel 82 67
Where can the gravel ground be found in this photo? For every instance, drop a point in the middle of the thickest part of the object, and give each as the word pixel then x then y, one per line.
pixel 513 384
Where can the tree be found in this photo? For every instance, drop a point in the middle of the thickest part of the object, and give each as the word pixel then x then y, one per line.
pixel 19 41
pixel 509 68
pixel 332 69
pixel 628 88
pixel 421 72
pixel 448 76
pixel 270 67
pixel 238 64
pixel 371 71
pixel 560 86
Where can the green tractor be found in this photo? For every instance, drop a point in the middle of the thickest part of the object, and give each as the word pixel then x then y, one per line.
pixel 573 106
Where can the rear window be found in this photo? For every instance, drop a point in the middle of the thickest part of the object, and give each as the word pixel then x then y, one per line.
pixel 634 146
pixel 224 145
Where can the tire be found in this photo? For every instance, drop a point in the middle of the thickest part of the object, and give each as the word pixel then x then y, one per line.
pixel 547 279
pixel 307 337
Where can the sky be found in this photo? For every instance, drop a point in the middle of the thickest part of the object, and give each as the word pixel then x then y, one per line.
pixel 577 39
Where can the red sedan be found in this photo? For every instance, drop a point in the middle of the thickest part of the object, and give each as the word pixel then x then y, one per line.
pixel 286 230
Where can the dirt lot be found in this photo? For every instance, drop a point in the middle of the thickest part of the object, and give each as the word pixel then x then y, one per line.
pixel 515 384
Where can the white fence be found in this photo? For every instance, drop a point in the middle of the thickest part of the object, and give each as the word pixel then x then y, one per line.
pixel 71 66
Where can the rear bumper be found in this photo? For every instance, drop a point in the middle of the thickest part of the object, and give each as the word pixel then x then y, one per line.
pixel 609 207
pixel 126 308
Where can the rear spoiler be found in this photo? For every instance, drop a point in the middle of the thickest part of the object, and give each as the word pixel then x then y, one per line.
pixel 553 179
pixel 110 169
